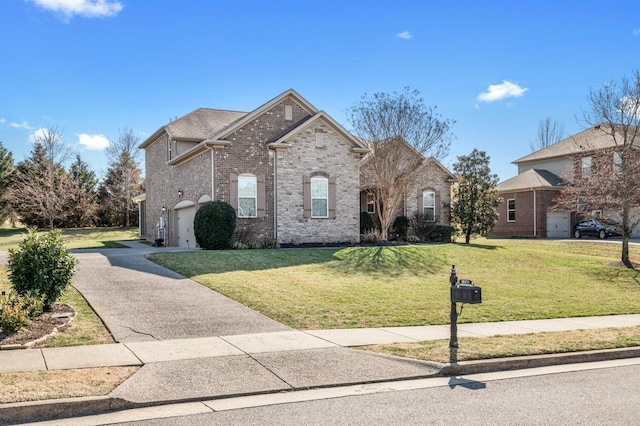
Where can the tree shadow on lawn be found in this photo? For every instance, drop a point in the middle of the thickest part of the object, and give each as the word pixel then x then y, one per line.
pixel 390 261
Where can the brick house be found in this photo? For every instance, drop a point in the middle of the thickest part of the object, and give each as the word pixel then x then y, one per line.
pixel 428 193
pixel 528 209
pixel 290 171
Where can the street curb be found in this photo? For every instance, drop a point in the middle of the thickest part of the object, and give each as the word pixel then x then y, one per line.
pixel 22 412
pixel 536 361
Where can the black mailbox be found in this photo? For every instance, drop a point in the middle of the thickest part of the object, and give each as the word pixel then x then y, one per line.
pixel 466 293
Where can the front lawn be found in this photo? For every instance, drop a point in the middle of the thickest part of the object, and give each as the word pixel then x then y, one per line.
pixel 409 285
pixel 74 238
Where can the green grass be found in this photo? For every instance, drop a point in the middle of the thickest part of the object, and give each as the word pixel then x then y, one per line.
pixel 475 348
pixel 75 238
pixel 409 285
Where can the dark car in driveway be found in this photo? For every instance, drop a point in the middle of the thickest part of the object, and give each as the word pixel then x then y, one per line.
pixel 594 228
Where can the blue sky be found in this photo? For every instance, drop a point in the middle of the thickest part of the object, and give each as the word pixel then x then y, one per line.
pixel 92 67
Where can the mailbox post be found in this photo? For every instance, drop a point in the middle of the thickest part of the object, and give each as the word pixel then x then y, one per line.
pixel 453 341
pixel 462 291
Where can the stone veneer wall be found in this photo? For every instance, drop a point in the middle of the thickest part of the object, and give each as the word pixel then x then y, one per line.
pixel 431 177
pixel 335 160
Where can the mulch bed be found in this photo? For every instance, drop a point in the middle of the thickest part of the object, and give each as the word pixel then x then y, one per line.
pixel 44 324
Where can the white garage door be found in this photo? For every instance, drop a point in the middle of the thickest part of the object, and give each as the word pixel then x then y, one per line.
pixel 558 225
pixel 184 217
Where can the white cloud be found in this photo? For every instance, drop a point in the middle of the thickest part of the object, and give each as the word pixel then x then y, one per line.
pixel 86 8
pixel 23 125
pixel 38 135
pixel 405 35
pixel 93 142
pixel 497 92
pixel 2 120
pixel 636 32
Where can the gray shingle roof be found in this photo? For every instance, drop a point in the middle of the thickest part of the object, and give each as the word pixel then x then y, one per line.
pixel 202 123
pixel 531 179
pixel 591 139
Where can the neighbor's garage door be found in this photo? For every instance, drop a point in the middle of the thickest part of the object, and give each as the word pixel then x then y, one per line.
pixel 558 225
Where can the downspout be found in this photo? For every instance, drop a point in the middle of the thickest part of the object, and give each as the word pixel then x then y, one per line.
pixel 213 197
pixel 275 194
pixel 535 215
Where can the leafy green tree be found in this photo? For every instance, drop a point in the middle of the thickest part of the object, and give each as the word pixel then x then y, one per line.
pixel 84 207
pixel 475 197
pixel 6 172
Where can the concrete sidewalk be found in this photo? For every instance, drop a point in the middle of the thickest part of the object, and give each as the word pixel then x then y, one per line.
pixel 147 352
pixel 208 368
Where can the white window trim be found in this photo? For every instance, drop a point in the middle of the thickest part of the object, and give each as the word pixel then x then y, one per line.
pixel 425 206
pixel 255 196
pixel 319 179
pixel 509 210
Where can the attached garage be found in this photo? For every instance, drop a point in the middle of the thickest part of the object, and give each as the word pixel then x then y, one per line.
pixel 185 213
pixel 558 224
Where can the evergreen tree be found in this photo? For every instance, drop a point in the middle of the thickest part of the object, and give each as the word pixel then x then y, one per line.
pixel 475 196
pixel 122 182
pixel 84 208
pixel 6 172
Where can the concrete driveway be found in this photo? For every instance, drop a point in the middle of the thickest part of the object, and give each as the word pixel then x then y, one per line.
pixel 141 301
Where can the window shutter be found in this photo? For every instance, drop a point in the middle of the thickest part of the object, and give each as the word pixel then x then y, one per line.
pixel 306 196
pixel 332 197
pixel 233 195
pixel 261 196
pixel 420 203
pixel 436 207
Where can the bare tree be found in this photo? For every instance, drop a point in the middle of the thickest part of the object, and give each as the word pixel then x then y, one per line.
pixel 399 129
pixel 549 132
pixel 613 182
pixel 41 191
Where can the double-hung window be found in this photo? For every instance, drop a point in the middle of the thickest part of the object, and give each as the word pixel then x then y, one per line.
pixel 511 210
pixel 429 205
pixel 319 197
pixel 586 167
pixel 247 196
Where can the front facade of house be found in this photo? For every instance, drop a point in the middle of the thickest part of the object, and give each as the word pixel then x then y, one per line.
pixel 429 193
pixel 290 171
pixel 528 207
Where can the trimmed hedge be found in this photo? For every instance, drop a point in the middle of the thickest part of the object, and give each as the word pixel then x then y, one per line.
pixel 214 224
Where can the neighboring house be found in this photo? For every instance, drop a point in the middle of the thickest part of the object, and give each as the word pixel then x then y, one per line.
pixel 428 192
pixel 528 207
pixel 290 171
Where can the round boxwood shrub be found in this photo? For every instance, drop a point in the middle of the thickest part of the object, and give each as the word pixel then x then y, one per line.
pixel 214 224
pixel 41 265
